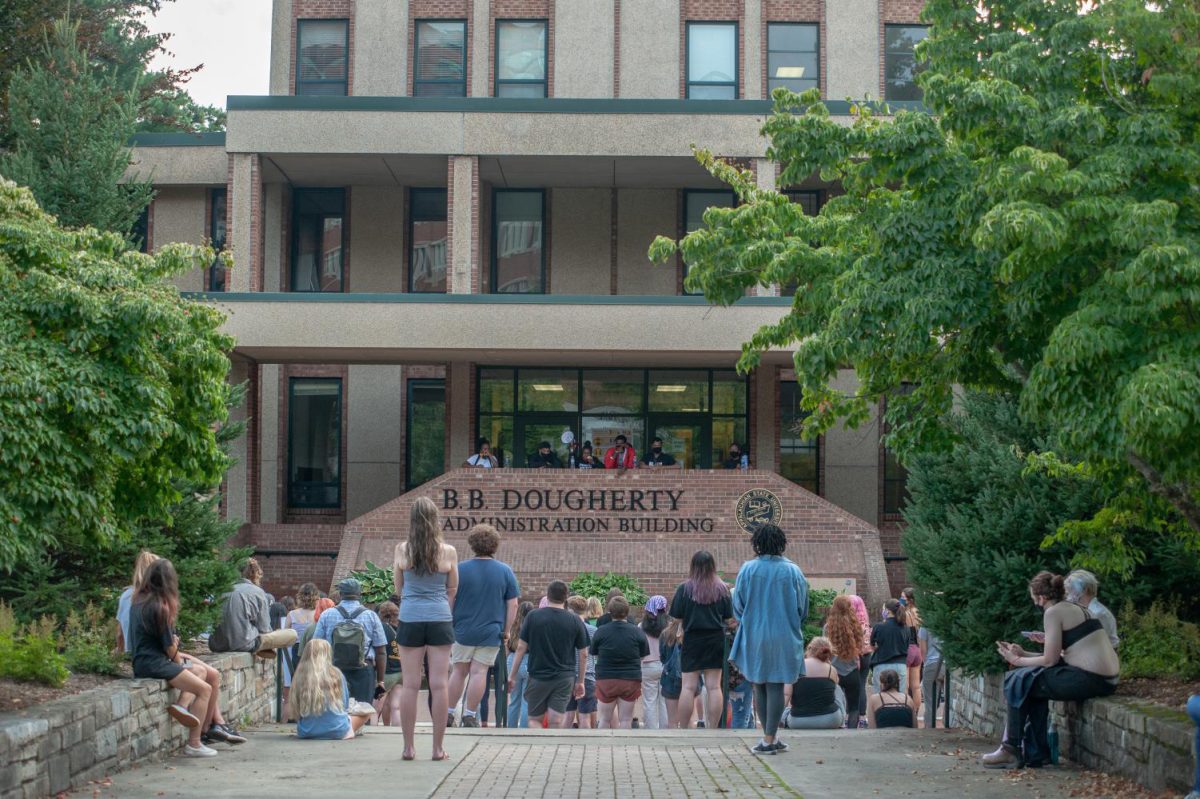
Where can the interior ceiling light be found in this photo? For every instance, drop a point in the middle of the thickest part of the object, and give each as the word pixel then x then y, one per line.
pixel 671 389
pixel 789 72
pixel 547 387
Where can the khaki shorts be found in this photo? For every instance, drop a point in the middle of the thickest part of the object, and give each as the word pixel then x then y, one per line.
pixel 480 654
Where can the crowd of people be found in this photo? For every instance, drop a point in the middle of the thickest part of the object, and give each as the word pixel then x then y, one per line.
pixel 713 655
pixel 621 455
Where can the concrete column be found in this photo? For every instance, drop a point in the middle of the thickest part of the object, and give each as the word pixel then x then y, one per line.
pixel 245 201
pixel 373 437
pixel 852 49
pixel 583 48
pixel 752 46
pixel 463 214
pixel 274 256
pixel 852 461
pixel 458 383
pixel 481 48
pixel 381 58
pixel 766 413
pixel 281 47
pixel 766 173
pixel 236 487
pixel 270 449
pixel 649 50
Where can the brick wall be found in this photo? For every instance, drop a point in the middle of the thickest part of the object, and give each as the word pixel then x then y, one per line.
pixel 654 545
pixel 322 9
pixel 711 11
pixel 294 554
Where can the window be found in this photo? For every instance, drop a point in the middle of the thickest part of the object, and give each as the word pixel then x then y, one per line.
pixel 793 56
pixel 440 58
pixel 322 65
pixel 810 200
pixel 518 258
pixel 318 239
pixel 315 442
pixel 216 237
pixel 799 458
pixel 900 67
pixel 520 58
pixel 425 433
pixel 427 240
pixel 139 236
pixel 695 203
pixel 895 476
pixel 712 57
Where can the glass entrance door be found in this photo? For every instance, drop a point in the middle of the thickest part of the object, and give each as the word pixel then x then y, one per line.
pixel 685 436
pixel 532 430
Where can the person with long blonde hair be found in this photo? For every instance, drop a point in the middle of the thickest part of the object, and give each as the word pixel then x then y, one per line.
pixel 912 617
pixel 320 697
pixel 425 571
pixel 846 637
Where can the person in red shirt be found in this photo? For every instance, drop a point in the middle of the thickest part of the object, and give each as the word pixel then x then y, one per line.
pixel 620 455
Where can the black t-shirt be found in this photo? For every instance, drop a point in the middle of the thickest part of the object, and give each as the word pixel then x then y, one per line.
pixel 548 461
pixel 619 648
pixel 148 640
pixel 890 641
pixel 392 648
pixel 700 617
pixel 603 620
pixel 554 637
pixel 662 459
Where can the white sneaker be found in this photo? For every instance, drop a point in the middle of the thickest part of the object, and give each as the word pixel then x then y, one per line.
pixel 198 751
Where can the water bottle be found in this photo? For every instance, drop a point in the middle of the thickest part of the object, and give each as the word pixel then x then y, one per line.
pixel 1052 739
pixel 745 462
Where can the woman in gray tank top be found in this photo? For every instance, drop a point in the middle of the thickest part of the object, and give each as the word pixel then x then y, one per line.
pixel 426 576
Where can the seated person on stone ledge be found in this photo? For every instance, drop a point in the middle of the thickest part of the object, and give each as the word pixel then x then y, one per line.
pixel 245 624
pixel 1078 663
pixel 587 458
pixel 736 453
pixel 656 456
pixel 544 458
pixel 483 457
pixel 620 455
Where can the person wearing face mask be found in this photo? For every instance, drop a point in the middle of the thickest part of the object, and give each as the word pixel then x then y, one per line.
pixel 656 456
pixel 737 457
pixel 588 460
pixel 620 455
pixel 544 458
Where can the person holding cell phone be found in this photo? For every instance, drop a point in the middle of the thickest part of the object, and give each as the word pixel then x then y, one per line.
pixel 1078 662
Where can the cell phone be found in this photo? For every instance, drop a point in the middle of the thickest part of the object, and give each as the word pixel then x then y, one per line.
pixel 379 691
pixel 1034 635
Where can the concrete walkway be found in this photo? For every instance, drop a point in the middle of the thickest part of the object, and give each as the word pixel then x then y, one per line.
pixel 640 764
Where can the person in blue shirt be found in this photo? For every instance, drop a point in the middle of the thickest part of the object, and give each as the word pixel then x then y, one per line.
pixel 770 601
pixel 484 609
pixel 358 679
pixel 320 697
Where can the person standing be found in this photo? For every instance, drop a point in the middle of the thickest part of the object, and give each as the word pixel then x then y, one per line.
pixel 482 457
pixel 912 620
pixel 426 577
pixel 891 638
pixel 864 660
pixel 618 648
pixel 654 621
pixel 620 455
pixel 770 602
pixel 606 617
pixel 556 642
pixel 846 639
pixel 581 710
pixel 358 640
pixel 705 608
pixel 544 458
pixel 484 609
pixel 245 624
pixel 656 457
pixel 517 710
pixel 298 620
pixel 389 614
pixel 933 679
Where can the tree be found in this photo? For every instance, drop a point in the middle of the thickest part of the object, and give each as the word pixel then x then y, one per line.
pixel 112 386
pixel 70 122
pixel 1037 232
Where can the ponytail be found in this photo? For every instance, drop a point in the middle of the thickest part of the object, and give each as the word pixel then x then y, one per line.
pixel 1049 585
pixel 894 607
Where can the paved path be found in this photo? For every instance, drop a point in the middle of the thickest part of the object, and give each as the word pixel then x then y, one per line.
pixel 640 764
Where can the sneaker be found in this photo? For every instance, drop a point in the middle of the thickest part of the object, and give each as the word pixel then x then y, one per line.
pixel 449 720
pixel 221 733
pixel 862 724
pixel 469 721
pixel 780 746
pixel 183 716
pixel 1002 758
pixel 699 725
pixel 198 751
pixel 763 749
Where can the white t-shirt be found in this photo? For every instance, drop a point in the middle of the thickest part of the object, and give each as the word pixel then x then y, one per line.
pixel 486 462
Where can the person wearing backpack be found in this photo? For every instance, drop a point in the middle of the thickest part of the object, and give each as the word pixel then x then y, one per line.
pixel 359 644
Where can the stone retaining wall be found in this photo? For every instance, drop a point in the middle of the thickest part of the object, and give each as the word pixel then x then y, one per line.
pixel 1147 743
pixel 63 744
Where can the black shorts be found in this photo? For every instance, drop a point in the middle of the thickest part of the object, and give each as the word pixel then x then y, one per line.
pixel 702 649
pixel 415 634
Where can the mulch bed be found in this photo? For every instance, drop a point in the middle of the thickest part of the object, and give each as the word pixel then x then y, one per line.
pixel 1172 693
pixel 16 696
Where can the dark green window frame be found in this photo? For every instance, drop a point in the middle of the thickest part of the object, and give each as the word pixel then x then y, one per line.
pixel 895 475
pixel 498 82
pixel 816 79
pixel 687 198
pixel 344 82
pixel 737 54
pixel 418 82
pixel 216 236
pixel 413 386
pixel 495 233
pixel 297 195
pixel 413 195
pixel 893 57
pixel 297 490
pixel 788 441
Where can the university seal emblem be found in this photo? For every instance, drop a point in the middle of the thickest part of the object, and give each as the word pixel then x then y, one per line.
pixel 756 507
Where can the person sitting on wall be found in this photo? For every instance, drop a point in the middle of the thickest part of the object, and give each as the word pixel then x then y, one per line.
pixel 544 458
pixel 245 624
pixel 620 455
pixel 656 456
pixel 483 457
pixel 587 458
pixel 1082 589
pixel 736 454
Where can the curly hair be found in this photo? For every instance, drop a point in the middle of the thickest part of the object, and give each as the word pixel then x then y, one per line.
pixel 767 539
pixel 1048 585
pixel 483 540
pixel 844 629
pixel 820 648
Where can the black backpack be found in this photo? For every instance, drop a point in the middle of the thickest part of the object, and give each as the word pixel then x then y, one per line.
pixel 349 640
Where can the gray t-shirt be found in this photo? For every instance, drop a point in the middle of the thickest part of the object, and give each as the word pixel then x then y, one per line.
pixel 933 650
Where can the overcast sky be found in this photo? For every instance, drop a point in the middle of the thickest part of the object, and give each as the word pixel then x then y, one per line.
pixel 232 38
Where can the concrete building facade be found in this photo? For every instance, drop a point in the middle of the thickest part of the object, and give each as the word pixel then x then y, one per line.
pixel 439 219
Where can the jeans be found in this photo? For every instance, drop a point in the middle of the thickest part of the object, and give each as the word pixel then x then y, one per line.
pixel 743 709
pixel 1193 709
pixel 518 711
pixel 901 670
pixel 933 684
pixel 654 707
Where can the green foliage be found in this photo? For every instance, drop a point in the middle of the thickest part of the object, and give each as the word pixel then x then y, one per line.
pixel 590 584
pixel 112 386
pixel 88 639
pixel 1156 643
pixel 377 583
pixel 1037 233
pixel 30 653
pixel 819 602
pixel 70 122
